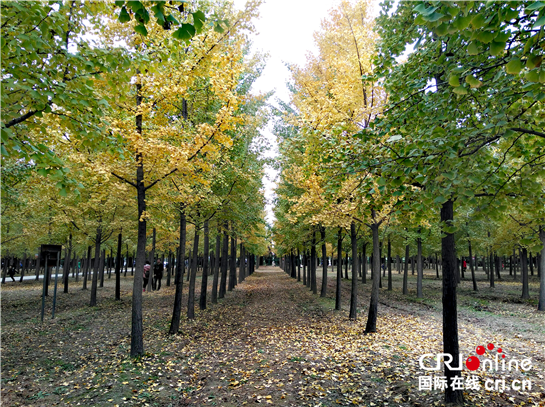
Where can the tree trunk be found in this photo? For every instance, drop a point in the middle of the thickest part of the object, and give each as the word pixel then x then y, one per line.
pixel 233 264
pixel 102 266
pixel 118 269
pixel 419 268
pixel 313 286
pixel 354 292
pixel 491 267
pixel 193 276
pixel 323 292
pixel 473 279
pixel 389 265
pixel 215 280
pixel 298 265
pixel 66 268
pixel 364 265
pixel 137 329
pixel 524 260
pixel 305 268
pixel 541 271
pixel 371 325
pixel 224 261
pixel 450 307
pixel 94 284
pixel 406 271
pixel 242 267
pixel 339 270
pixel 87 268
pixel 179 277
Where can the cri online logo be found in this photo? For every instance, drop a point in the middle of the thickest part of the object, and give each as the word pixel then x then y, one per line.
pixel 494 363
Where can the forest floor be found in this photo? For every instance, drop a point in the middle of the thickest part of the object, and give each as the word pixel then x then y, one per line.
pixel 269 341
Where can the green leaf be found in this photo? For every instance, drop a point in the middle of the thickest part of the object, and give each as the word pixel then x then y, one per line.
pixel 486 36
pixel 460 90
pixel 478 21
pixel 141 29
pixel 473 82
pixel 533 61
pixel 514 66
pixel 538 5
pixel 63 192
pixel 532 76
pixel 43 172
pixel 198 20
pixel 185 32
pixel 119 3
pixel 454 80
pixel 497 48
pixel 124 15
pixel 135 5
pixel 473 48
pixel 218 28
pixel 540 21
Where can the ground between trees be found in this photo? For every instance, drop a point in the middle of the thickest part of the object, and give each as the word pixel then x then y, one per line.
pixel 269 341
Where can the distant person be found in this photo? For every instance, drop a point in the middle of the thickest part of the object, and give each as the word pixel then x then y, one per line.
pixel 147 268
pixel 464 265
pixel 158 269
pixel 11 272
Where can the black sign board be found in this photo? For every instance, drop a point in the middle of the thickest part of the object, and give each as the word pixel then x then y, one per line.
pixel 49 251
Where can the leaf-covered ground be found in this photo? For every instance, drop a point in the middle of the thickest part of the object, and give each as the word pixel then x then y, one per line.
pixel 269 341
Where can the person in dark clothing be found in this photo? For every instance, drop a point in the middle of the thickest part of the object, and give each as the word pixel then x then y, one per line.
pixel 158 273
pixel 12 272
pixel 147 268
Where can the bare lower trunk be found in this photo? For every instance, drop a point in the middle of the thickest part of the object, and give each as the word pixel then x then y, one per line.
pixel 323 292
pixel 339 271
pixel 178 278
pixel 450 308
pixel 373 305
pixel 216 268
pixel 94 284
pixel 224 261
pixel 354 292
pixel 193 276
pixel 541 271
pixel 204 282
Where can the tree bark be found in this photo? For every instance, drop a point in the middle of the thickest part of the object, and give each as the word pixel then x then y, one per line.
pixel 94 284
pixel 118 269
pixel 354 292
pixel 406 271
pixel 215 281
pixel 389 265
pixel 313 286
pixel 179 277
pixel 204 282
pixel 66 268
pixel 233 264
pixel 323 292
pixel 364 265
pixel 450 307
pixel 541 271
pixel 224 261
pixel 137 329
pixel 524 260
pixel 339 271
pixel 419 268
pixel 371 325
pixel 193 276
pixel 473 278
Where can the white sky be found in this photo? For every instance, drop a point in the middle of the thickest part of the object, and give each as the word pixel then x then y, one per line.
pixel 285 31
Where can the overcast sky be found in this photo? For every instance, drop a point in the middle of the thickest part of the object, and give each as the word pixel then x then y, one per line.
pixel 284 31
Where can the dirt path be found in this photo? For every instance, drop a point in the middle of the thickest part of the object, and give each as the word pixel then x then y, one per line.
pixel 269 341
